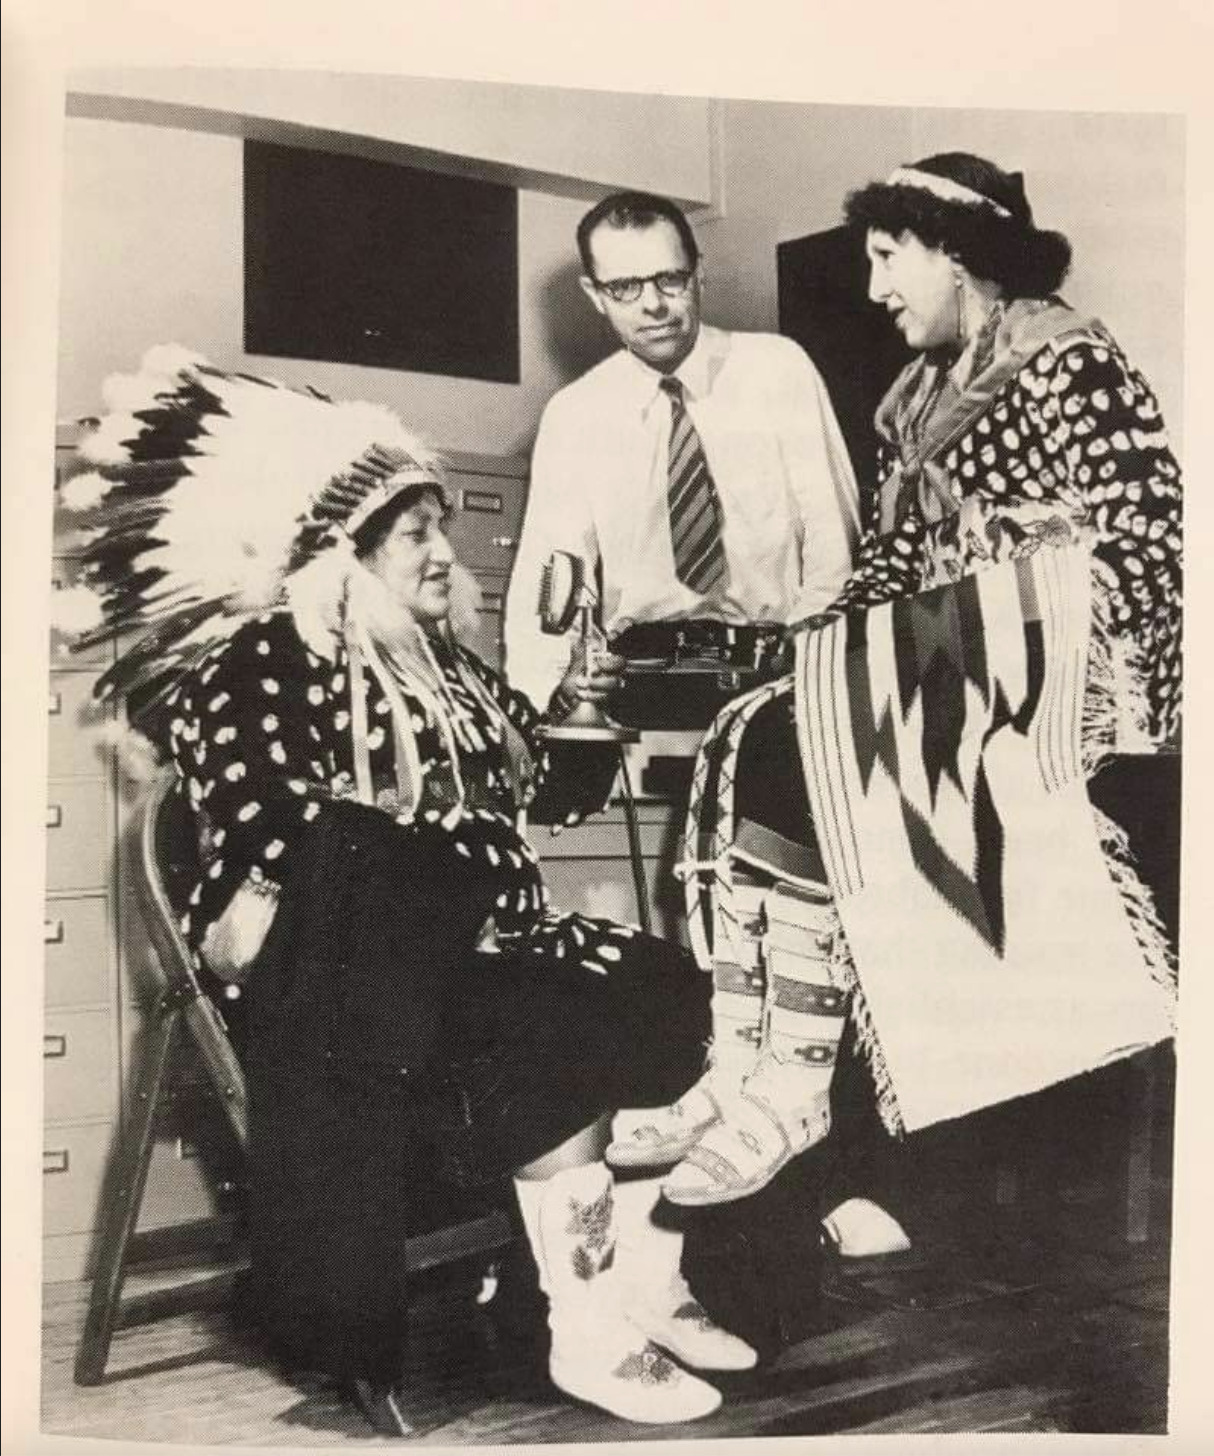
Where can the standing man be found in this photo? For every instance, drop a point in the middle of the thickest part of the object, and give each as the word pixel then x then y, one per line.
pixel 702 476
pixel 699 472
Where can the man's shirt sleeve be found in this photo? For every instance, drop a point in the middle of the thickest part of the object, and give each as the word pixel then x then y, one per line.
pixel 557 518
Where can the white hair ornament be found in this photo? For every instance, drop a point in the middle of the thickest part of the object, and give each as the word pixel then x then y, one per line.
pixel 944 188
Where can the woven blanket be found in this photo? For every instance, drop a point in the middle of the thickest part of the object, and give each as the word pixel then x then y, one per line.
pixel 992 947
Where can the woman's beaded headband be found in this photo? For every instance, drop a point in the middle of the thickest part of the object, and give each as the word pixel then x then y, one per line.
pixel 944 188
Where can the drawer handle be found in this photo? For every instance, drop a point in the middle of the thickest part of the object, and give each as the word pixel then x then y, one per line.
pixel 55 706
pixel 52 932
pixel 55 1160
pixel 54 1046
pixel 505 542
pixel 487 502
pixel 54 816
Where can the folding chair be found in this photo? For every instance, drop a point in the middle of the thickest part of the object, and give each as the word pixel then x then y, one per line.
pixel 183 1005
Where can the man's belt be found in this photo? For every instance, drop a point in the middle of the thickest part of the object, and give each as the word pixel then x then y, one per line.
pixel 748 652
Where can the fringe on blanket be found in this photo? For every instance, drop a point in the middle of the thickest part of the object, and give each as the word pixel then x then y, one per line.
pixel 1140 908
pixel 843 973
pixel 1148 929
pixel 1114 702
pixel 1115 721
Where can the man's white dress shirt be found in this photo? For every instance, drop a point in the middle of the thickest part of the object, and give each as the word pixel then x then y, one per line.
pixel 599 482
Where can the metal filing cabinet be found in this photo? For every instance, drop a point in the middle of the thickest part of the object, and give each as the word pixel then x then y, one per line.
pixel 82 1020
pixel 587 867
pixel 488 495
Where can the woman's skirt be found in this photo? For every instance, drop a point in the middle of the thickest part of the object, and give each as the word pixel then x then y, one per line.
pixel 388 1065
pixel 579 1019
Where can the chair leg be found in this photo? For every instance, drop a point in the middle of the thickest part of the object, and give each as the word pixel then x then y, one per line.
pixel 635 853
pixel 120 1216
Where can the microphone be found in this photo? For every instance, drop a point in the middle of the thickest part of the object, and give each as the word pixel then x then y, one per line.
pixel 567 601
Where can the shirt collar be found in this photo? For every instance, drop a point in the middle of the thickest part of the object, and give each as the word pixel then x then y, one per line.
pixel 696 373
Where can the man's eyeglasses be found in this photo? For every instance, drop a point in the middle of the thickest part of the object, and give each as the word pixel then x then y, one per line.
pixel 671 284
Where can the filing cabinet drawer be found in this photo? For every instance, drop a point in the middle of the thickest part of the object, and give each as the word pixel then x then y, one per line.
pixel 75 719
pixel 196 1163
pixel 79 830
pixel 487 521
pixel 487 640
pixel 179 1189
pixel 76 934
pixel 79 1065
pixel 606 837
pixel 604 888
pixel 73 1167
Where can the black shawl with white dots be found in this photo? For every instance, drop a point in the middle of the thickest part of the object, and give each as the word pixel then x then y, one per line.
pixel 262 736
pixel 1068 444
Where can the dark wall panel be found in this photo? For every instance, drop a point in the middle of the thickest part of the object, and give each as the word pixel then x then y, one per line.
pixel 823 302
pixel 360 262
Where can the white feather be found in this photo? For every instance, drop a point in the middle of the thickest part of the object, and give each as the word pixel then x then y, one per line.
pixel 85 492
pixel 127 393
pixel 315 594
pixel 161 368
pixel 232 523
pixel 138 760
pixel 103 446
pixel 466 601
pixel 168 360
pixel 76 610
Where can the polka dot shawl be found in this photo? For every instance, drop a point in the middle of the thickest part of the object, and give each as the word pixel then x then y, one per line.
pixel 260 735
pixel 1072 447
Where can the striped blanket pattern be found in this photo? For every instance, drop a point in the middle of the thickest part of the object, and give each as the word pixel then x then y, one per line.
pixel 940 737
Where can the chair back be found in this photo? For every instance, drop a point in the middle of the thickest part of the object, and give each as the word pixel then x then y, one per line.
pixel 166 858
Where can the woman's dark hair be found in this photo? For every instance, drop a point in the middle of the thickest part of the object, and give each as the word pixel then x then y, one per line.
pixel 634 210
pixel 375 530
pixel 1026 261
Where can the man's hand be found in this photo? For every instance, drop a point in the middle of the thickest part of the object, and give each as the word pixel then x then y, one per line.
pixel 588 682
pixel 593 680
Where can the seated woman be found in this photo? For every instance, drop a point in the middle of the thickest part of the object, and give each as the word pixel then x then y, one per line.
pixel 1018 442
pixel 357 778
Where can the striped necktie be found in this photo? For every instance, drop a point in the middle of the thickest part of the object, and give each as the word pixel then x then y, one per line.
pixel 696 519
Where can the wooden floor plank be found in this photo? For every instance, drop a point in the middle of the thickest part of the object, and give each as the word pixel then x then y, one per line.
pixel 1009 1335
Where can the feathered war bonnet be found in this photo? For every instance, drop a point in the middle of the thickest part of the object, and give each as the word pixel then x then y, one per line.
pixel 213 497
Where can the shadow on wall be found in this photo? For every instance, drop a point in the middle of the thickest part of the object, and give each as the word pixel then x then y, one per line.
pixel 576 337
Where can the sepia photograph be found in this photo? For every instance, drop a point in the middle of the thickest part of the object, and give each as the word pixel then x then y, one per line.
pixel 613 793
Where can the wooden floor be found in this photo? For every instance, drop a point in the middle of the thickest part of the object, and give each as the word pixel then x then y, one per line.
pixel 1061 1329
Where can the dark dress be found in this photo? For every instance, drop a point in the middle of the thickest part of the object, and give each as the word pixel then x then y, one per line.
pixel 386 1055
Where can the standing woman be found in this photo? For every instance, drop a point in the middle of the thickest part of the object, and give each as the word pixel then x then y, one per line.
pixel 1019 427
pixel 356 778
